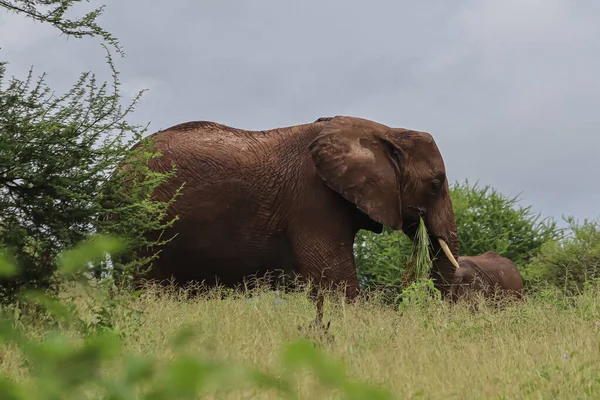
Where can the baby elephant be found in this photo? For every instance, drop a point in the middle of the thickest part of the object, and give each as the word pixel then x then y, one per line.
pixel 488 273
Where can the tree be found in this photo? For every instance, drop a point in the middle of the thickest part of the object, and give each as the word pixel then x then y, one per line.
pixel 58 159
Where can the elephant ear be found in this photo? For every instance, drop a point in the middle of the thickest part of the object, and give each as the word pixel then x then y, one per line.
pixel 353 158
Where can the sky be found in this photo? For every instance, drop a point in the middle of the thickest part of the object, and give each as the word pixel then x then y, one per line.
pixel 510 89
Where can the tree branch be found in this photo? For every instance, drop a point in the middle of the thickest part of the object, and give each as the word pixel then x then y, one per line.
pixel 78 28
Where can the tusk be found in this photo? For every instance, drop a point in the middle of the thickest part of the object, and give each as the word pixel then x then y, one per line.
pixel 448 253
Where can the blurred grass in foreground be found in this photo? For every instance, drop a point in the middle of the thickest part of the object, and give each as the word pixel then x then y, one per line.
pixel 99 343
pixel 546 348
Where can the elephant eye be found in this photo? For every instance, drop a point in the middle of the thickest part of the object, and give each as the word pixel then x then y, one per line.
pixel 435 185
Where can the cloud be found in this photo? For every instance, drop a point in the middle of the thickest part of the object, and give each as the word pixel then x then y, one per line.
pixel 19 32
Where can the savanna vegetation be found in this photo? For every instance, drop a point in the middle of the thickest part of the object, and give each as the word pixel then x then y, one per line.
pixel 71 327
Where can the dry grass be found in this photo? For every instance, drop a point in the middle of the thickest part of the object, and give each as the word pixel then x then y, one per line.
pixel 432 351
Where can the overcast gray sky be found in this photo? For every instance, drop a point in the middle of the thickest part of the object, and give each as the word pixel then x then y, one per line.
pixel 510 89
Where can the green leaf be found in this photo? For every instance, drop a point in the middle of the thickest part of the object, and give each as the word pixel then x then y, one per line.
pixel 138 369
pixel 7 267
pixel 10 390
pixel 267 381
pixel 75 260
pixel 303 354
pixel 182 379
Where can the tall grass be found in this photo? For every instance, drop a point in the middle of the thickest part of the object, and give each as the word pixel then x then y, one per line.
pixel 546 347
pixel 101 343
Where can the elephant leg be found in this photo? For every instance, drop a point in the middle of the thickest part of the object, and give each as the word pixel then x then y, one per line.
pixel 328 263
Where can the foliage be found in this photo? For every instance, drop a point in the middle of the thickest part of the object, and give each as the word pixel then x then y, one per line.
pixel 59 368
pixel 381 258
pixel 571 263
pixel 489 221
pixel 131 212
pixel 419 293
pixel 56 157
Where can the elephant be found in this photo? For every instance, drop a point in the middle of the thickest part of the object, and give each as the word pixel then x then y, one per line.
pixel 293 199
pixel 489 274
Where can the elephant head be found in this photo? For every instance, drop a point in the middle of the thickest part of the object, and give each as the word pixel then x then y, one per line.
pixel 394 176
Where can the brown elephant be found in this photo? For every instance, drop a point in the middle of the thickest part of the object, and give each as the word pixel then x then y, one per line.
pixel 293 199
pixel 489 274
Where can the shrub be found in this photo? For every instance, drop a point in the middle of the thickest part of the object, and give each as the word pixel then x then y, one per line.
pixel 128 210
pixel 571 263
pixel 489 221
pixel 56 157
pixel 381 259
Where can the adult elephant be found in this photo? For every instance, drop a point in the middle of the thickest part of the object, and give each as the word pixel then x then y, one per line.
pixel 293 199
pixel 489 274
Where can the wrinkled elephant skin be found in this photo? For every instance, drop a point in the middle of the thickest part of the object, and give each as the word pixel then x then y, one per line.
pixel 292 199
pixel 488 274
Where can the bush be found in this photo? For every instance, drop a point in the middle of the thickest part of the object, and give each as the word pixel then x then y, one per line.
pixel 571 263
pixel 129 211
pixel 381 258
pixel 489 221
pixel 56 157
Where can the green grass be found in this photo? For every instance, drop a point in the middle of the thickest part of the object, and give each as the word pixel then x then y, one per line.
pixel 418 268
pixel 543 348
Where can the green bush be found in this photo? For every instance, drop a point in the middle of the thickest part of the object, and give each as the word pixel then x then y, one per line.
pixel 57 154
pixel 381 258
pixel 571 263
pixel 490 221
pixel 128 210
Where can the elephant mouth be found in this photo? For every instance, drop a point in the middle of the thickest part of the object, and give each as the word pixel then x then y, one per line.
pixel 411 227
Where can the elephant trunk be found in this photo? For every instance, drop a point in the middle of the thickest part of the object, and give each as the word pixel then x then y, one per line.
pixel 444 245
pixel 444 267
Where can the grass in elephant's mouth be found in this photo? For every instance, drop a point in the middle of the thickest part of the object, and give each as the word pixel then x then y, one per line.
pixel 419 266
